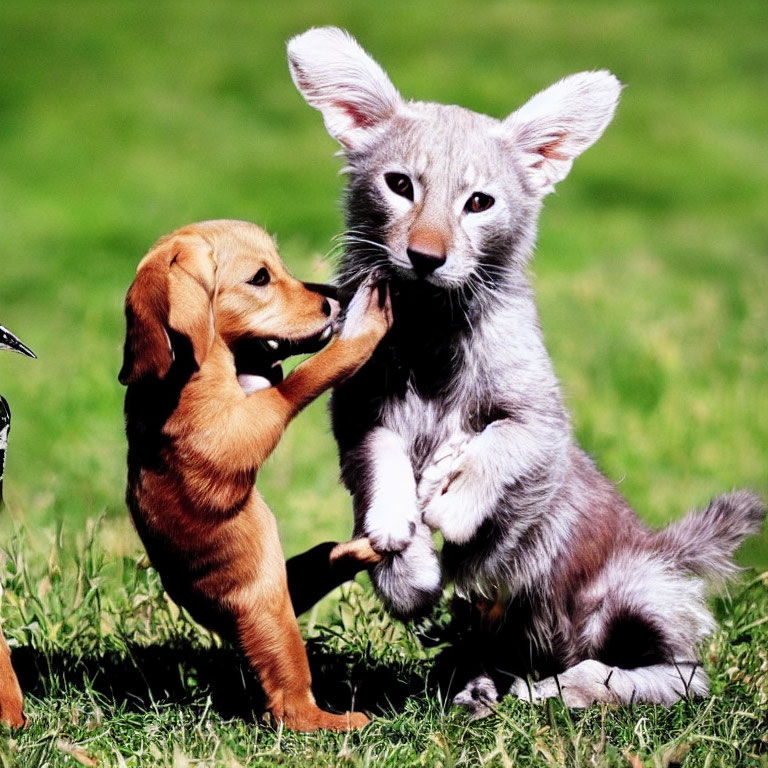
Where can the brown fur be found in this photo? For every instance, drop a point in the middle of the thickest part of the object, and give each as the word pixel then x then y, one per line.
pixel 11 701
pixel 197 441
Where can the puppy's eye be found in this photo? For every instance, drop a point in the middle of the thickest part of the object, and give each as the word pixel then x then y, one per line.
pixel 478 202
pixel 400 184
pixel 260 278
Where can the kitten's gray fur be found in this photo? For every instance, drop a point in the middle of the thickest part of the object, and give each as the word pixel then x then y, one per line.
pixel 457 423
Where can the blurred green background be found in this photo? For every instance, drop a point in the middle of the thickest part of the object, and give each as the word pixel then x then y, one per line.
pixel 121 121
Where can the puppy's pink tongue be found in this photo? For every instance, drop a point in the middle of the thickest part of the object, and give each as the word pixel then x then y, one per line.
pixel 251 383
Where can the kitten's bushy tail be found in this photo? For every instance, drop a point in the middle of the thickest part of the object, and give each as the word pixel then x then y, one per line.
pixel 704 542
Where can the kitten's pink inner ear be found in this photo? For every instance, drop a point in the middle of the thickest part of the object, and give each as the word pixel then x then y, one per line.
pixel 556 125
pixel 337 77
pixel 360 119
pixel 551 151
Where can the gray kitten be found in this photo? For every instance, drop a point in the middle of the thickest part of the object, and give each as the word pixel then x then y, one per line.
pixel 457 423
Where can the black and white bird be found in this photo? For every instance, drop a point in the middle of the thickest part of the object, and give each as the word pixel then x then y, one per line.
pixel 8 341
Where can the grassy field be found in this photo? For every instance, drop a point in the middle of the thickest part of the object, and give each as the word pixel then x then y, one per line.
pixel 122 121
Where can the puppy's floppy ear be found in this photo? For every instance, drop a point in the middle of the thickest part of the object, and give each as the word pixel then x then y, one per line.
pixel 558 124
pixel 147 347
pixel 173 290
pixel 336 76
pixel 191 288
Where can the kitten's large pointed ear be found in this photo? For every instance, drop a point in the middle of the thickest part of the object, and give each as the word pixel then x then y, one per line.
pixel 173 290
pixel 558 124
pixel 336 76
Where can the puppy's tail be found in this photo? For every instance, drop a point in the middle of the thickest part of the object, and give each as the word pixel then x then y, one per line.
pixel 704 542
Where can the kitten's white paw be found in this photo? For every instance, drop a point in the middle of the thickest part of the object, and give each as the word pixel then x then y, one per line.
pixel 478 697
pixel 393 536
pixel 454 513
pixel 442 468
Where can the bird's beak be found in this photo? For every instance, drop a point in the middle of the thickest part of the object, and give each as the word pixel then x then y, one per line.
pixel 9 341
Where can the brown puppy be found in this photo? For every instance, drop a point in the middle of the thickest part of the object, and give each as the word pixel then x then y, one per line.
pixel 209 302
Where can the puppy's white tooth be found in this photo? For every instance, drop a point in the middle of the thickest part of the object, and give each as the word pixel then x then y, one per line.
pixel 326 333
pixel 273 344
pixel 276 363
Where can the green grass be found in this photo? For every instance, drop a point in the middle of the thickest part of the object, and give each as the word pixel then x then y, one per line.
pixel 112 668
pixel 120 122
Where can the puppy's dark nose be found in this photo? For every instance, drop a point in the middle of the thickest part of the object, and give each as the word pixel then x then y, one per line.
pixel 330 306
pixel 424 263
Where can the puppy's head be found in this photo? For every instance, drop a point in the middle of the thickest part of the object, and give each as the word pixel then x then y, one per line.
pixel 220 279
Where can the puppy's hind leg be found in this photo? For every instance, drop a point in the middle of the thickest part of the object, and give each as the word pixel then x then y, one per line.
pixel 270 638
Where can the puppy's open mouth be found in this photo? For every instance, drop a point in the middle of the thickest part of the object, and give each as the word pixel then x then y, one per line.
pixel 259 362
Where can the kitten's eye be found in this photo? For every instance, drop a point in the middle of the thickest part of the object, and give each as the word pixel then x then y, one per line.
pixel 400 184
pixel 478 202
pixel 260 278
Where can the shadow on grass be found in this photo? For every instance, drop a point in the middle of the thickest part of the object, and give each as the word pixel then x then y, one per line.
pixel 182 674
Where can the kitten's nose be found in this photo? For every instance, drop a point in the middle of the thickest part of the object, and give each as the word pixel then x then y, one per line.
pixel 424 261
